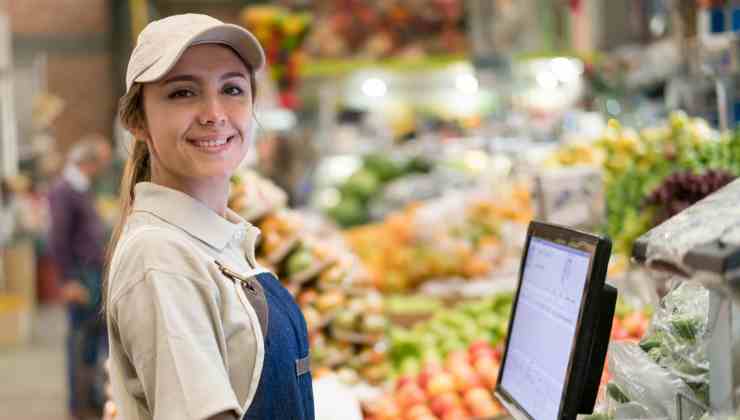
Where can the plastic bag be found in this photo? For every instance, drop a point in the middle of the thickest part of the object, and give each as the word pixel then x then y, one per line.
pixel 678 337
pixel 648 389
pixel 670 359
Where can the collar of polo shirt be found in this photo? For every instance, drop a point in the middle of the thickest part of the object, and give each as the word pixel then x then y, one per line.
pixel 194 217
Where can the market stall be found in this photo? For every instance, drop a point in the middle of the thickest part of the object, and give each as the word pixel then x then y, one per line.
pixel 420 168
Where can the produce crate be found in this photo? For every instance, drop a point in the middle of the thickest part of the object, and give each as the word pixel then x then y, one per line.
pixel 19 263
pixel 15 320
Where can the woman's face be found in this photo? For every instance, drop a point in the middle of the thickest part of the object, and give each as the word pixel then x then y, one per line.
pixel 198 117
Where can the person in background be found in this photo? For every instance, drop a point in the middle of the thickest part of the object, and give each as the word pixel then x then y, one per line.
pixel 77 244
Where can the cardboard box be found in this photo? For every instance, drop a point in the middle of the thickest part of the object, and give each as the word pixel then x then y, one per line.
pixel 15 320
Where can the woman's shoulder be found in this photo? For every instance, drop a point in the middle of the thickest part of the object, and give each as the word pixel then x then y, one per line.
pixel 147 245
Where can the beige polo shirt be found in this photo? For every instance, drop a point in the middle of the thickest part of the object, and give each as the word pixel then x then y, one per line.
pixel 184 341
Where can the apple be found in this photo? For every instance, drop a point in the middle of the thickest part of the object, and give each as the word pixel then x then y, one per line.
pixel 635 324
pixel 477 395
pixel 455 414
pixel 480 347
pixel 384 408
pixel 441 383
pixel 457 357
pixel 404 380
pixel 466 380
pixel 428 371
pixel 481 353
pixel 445 402
pixel 417 411
pixel 484 409
pixel 410 395
pixel 488 370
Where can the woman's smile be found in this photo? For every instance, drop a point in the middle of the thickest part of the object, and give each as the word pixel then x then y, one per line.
pixel 212 144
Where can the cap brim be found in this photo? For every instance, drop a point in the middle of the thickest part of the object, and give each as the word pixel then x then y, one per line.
pixel 236 37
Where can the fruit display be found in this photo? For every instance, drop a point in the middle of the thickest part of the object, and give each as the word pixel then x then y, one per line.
pixel 452 236
pixel 450 330
pixel 352 342
pixel 282 33
pixel 574 154
pixel 253 196
pixel 458 388
pixel 357 28
pixel 364 184
pixel 345 316
pixel 635 163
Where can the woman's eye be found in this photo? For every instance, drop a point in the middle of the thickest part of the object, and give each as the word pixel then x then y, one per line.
pixel 233 90
pixel 182 93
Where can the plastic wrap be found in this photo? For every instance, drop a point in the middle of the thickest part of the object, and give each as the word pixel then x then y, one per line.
pixel 713 218
pixel 640 387
pixel 670 360
pixel 678 337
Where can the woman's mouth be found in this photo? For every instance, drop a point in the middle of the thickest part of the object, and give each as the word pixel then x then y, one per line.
pixel 212 145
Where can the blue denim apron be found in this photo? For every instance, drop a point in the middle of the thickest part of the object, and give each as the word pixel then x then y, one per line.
pixel 285 391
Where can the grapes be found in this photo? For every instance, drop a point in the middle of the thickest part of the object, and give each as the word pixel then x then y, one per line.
pixel 682 189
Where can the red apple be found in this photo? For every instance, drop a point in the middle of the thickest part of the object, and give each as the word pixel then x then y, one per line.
pixel 385 409
pixel 635 324
pixel 466 380
pixel 410 395
pixel 430 370
pixel 484 409
pixel 477 396
pixel 488 370
pixel 417 411
pixel 457 357
pixel 442 383
pixel 445 402
pixel 403 380
pixel 455 414
pixel 478 345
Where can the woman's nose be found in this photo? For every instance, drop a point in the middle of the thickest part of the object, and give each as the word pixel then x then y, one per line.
pixel 212 113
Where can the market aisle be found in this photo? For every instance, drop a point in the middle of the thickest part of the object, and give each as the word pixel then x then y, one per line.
pixel 32 385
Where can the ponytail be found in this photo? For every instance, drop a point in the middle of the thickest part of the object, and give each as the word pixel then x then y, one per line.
pixel 137 169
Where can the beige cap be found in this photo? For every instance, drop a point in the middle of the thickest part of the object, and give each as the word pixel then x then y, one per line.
pixel 163 42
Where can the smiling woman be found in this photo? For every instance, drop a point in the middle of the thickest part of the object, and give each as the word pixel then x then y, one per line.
pixel 208 103
pixel 197 329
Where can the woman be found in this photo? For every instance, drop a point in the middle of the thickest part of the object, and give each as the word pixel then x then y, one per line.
pixel 197 330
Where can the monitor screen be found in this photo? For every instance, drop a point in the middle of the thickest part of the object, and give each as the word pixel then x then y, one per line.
pixel 545 321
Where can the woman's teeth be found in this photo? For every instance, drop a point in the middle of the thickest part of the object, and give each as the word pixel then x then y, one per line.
pixel 211 143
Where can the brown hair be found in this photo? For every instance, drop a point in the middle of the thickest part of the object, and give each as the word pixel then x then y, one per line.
pixel 132 114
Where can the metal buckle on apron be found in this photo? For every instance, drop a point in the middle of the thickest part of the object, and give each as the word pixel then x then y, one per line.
pixel 303 366
pixel 254 293
pixel 235 276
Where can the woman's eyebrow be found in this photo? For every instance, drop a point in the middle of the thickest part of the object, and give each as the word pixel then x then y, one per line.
pixel 233 74
pixel 180 78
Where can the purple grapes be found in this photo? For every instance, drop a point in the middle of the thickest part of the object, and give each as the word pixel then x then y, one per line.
pixel 682 189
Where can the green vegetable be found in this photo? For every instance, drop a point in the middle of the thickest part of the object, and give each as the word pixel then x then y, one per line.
pixel 686 328
pixel 616 393
pixel 649 343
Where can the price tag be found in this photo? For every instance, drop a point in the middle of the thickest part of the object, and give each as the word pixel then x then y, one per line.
pixel 571 196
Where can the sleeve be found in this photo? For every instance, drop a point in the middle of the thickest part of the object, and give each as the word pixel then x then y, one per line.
pixel 168 327
pixel 62 211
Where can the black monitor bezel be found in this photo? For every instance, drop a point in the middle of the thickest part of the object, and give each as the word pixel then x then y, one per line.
pixel 587 320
